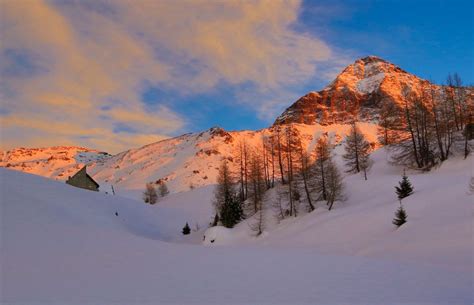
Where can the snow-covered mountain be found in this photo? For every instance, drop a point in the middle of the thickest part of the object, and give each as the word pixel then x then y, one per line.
pixel 192 160
pixel 56 162
pixel 360 89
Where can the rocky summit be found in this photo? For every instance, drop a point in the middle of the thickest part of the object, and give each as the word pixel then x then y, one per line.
pixel 360 89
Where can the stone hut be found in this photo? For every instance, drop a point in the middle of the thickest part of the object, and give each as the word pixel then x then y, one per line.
pixel 83 180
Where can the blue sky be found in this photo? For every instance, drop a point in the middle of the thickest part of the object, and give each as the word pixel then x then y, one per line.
pixel 111 75
pixel 427 38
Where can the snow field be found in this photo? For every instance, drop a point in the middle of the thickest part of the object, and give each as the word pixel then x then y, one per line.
pixel 62 245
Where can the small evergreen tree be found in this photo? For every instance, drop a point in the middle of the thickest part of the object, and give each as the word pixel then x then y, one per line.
pixel 400 216
pixel 215 222
pixel 186 229
pixel 231 212
pixel 405 188
pixel 227 203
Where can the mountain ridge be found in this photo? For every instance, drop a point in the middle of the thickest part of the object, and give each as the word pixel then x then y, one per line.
pixel 192 159
pixel 55 162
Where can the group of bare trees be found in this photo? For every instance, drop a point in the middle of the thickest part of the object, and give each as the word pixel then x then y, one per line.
pixel 151 196
pixel 305 177
pixel 282 161
pixel 430 124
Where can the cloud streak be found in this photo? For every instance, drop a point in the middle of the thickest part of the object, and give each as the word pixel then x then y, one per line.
pixel 72 71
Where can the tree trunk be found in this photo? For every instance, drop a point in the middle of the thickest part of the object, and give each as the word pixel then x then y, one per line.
pixel 280 162
pixel 273 161
pixel 323 179
pixel 290 180
pixel 410 128
pixel 308 197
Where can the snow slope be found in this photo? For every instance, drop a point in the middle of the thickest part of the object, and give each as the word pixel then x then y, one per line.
pixel 184 162
pixel 438 231
pixel 63 245
pixel 439 227
pixel 57 162
pixel 192 160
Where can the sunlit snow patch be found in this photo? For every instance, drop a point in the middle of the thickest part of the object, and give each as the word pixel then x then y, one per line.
pixel 218 236
pixel 370 84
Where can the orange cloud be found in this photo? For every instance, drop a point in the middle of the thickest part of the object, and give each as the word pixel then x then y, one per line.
pixel 96 63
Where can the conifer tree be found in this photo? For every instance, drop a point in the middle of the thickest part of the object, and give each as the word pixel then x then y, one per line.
pixel 271 147
pixel 256 184
pixel 335 186
pixel 292 142
pixel 243 158
pixel 231 212
pixel 215 222
pixel 186 229
pixel 400 216
pixel 227 203
pixel 388 123
pixel 357 150
pixel 278 139
pixel 405 188
pixel 323 156
pixel 305 174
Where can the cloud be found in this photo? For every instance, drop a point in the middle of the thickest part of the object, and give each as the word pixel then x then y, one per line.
pixel 37 133
pixel 230 41
pixel 84 69
pixel 74 70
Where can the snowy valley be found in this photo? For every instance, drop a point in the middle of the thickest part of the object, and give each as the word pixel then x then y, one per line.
pixel 63 245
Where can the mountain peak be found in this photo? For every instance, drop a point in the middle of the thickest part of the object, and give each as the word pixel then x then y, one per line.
pixel 371 58
pixel 364 68
pixel 359 90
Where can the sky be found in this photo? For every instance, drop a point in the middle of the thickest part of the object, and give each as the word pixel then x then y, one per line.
pixel 113 75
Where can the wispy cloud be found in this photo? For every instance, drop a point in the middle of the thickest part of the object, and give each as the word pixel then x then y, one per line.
pixel 74 70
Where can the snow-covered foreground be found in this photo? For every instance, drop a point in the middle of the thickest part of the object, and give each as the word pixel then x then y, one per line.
pixel 63 245
pixel 439 227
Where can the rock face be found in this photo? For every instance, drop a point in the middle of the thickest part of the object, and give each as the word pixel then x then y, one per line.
pixel 359 90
